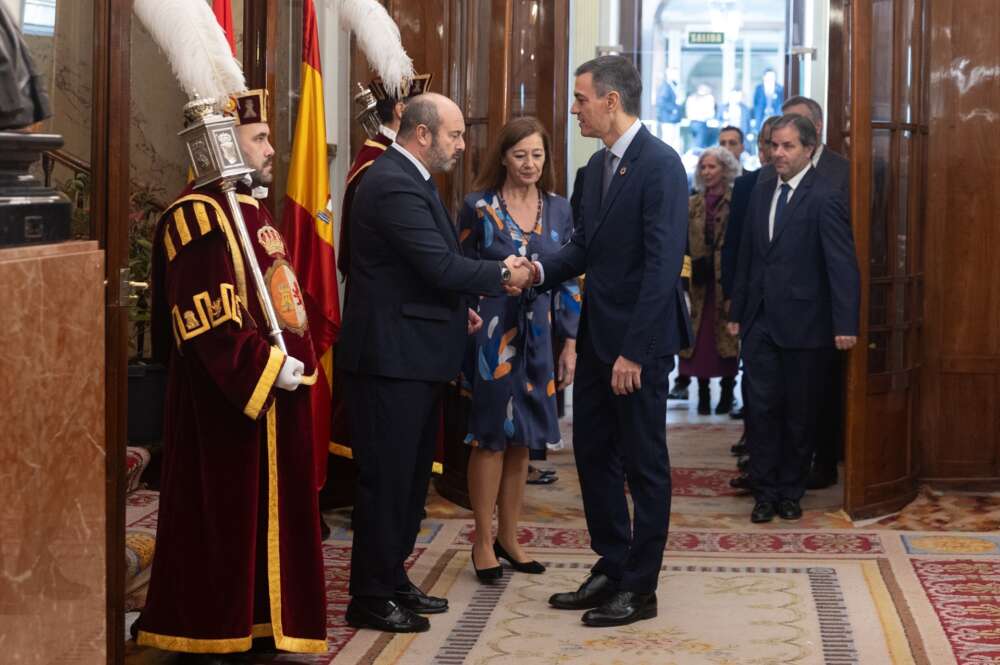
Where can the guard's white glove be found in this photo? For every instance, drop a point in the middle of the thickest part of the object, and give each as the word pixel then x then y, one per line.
pixel 290 376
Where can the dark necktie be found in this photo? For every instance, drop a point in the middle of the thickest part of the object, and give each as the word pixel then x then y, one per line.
pixel 780 208
pixel 609 172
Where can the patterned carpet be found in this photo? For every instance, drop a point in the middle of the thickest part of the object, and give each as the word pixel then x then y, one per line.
pixel 954 511
pixel 731 593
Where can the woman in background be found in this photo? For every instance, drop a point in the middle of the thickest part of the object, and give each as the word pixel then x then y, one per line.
pixel 512 374
pixel 715 352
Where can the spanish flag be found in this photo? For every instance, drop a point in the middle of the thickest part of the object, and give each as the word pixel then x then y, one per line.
pixel 224 13
pixel 308 227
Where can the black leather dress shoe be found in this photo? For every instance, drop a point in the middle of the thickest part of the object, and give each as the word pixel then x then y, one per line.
pixel 625 607
pixel 821 479
pixel 597 590
pixel 412 598
pixel 386 615
pixel 741 482
pixel 740 448
pixel 133 630
pixel 678 393
pixel 788 509
pixel 763 511
pixel 324 528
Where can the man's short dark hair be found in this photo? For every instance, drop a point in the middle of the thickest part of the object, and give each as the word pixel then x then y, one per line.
pixel 386 109
pixel 420 110
pixel 730 128
pixel 815 110
pixel 613 72
pixel 807 130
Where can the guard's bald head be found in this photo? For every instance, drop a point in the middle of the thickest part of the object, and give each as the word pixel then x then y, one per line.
pixel 432 129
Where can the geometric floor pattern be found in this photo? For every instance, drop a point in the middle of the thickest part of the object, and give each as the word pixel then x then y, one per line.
pixel 730 593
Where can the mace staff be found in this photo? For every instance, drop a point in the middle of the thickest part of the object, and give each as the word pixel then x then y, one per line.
pixel 216 157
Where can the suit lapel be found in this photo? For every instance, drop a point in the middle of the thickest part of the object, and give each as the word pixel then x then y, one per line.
pixel 622 173
pixel 799 195
pixel 441 214
pixel 767 188
pixel 592 196
pixel 429 192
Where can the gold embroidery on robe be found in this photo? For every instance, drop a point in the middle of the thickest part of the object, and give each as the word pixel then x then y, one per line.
pixel 207 313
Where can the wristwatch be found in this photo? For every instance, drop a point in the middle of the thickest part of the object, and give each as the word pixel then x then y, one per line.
pixel 504 274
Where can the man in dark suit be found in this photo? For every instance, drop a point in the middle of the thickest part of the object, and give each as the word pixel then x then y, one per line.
pixel 402 339
pixel 796 298
pixel 836 170
pixel 629 236
pixel 742 189
pixel 832 167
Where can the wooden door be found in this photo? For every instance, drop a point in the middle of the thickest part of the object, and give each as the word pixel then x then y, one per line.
pixel 795 48
pixel 887 139
pixel 497 59
pixel 110 215
pixel 961 375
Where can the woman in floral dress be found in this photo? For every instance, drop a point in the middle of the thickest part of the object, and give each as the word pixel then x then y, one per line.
pixel 511 372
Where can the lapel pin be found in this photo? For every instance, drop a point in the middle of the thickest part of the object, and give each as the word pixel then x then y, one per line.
pixel 622 171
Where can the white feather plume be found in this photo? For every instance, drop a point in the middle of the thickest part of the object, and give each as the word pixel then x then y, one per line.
pixel 378 37
pixel 195 44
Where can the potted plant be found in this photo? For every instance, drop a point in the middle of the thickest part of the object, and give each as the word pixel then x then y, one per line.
pixel 146 378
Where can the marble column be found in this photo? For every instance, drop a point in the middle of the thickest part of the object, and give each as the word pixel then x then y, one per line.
pixel 52 455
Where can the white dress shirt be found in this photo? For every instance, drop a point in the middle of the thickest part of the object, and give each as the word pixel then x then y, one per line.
pixel 388 133
pixel 816 155
pixel 793 182
pixel 619 147
pixel 416 162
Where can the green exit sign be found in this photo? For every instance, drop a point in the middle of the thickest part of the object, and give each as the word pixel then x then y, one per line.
pixel 706 38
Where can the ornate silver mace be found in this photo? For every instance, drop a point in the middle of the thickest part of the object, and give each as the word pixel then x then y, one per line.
pixel 215 156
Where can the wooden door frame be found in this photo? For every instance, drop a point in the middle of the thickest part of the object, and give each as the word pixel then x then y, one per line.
pixel 110 218
pixel 861 182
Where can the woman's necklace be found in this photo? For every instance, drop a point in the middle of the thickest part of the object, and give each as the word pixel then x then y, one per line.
pixel 538 213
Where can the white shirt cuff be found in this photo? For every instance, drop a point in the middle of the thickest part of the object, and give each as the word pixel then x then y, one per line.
pixel 541 272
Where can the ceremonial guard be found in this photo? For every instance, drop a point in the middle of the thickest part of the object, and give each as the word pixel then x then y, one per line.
pixel 238 552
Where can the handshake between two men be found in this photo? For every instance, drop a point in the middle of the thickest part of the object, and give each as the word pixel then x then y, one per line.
pixel 523 273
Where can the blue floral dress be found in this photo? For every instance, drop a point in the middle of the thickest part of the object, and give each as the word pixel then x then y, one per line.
pixel 510 369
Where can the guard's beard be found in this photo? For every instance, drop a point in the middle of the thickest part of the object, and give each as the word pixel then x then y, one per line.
pixel 258 177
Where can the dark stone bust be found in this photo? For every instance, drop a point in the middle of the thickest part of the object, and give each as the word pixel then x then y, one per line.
pixel 23 99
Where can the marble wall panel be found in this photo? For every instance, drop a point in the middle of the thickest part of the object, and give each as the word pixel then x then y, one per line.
pixel 52 455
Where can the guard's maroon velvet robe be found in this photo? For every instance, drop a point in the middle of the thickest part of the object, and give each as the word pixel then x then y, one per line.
pixel 238 551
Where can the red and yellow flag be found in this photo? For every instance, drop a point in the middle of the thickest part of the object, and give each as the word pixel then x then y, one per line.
pixel 308 227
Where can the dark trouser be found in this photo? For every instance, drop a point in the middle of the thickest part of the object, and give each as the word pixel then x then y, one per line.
pixel 393 434
pixel 618 439
pixel 830 441
pixel 783 396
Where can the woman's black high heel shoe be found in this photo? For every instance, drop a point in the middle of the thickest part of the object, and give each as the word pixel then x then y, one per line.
pixel 486 575
pixel 530 567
